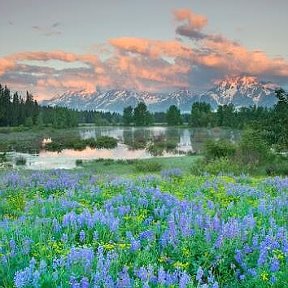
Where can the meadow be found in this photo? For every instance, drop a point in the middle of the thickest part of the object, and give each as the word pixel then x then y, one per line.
pixel 169 229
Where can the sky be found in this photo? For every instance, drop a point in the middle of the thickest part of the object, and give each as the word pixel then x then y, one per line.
pixel 52 46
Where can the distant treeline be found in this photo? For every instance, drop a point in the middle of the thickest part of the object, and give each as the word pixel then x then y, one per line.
pixel 271 122
pixel 16 111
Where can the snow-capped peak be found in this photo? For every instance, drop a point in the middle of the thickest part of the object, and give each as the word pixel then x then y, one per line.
pixel 238 90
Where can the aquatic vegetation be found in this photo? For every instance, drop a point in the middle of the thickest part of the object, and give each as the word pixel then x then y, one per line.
pixel 75 229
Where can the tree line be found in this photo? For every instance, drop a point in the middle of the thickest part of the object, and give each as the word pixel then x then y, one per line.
pixel 140 116
pixel 16 110
pixel 272 123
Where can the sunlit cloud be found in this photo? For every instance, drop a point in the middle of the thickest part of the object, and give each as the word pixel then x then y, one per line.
pixel 191 25
pixel 197 58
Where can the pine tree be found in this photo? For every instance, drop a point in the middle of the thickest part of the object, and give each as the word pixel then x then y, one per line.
pixel 173 116
pixel 142 117
pixel 128 115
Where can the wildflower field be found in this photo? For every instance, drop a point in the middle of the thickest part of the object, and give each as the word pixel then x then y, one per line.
pixel 76 229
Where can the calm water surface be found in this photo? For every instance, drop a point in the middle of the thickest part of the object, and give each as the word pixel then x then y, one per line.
pixel 133 143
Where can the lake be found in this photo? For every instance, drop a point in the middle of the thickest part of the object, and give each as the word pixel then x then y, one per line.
pixel 133 143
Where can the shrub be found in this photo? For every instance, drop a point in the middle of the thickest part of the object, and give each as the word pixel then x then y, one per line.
pixel 156 150
pixel 79 162
pixel 106 142
pixel 3 157
pixel 77 145
pixel 223 166
pixel 20 161
pixel 280 168
pixel 219 149
pixel 147 166
pixel 198 167
pixel 91 142
pixel 54 146
pixel 253 150
pixel 5 130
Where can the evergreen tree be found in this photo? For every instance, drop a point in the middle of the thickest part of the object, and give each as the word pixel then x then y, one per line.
pixel 128 115
pixel 142 117
pixel 226 115
pixel 201 115
pixel 173 116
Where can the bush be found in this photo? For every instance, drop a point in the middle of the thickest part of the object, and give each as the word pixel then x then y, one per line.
pixel 91 142
pixel 105 142
pixel 79 145
pixel 20 161
pixel 3 157
pixel 54 147
pixel 156 150
pixel 147 166
pixel 280 168
pixel 219 149
pixel 253 150
pixel 223 166
pixel 79 162
pixel 5 130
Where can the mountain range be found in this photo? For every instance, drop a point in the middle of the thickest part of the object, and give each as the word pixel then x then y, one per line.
pixel 242 91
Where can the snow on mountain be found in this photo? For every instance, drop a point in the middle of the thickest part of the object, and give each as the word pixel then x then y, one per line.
pixel 241 91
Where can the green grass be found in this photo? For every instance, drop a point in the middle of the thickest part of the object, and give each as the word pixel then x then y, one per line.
pixel 126 167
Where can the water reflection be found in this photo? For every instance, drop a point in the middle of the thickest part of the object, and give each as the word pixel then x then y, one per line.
pixel 133 143
pixel 162 138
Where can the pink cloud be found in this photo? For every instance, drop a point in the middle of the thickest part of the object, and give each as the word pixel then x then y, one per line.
pixel 192 19
pixel 139 63
pixel 151 48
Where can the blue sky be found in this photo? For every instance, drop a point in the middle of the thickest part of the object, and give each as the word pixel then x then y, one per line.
pixel 53 46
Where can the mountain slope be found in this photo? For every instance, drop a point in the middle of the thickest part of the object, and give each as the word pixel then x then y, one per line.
pixel 240 91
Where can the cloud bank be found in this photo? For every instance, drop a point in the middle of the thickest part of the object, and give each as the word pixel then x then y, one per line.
pixel 193 59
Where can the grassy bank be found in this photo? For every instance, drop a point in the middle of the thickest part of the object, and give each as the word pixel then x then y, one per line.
pixel 155 165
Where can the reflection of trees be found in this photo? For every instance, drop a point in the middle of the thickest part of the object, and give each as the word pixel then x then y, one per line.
pixel 128 137
pixel 173 138
pixel 200 135
pixel 165 141
pixel 135 139
pixel 198 138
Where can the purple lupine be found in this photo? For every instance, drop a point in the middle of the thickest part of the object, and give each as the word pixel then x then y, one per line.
pixel 64 238
pixel 262 257
pixel 239 256
pixel 25 277
pixel 146 235
pixel 84 283
pixel 56 225
pixel 200 274
pixel 13 247
pixel 172 173
pixel 36 279
pixel 26 246
pixel 82 236
pixel 42 266
pixel 274 265
pixel 184 280
pixel 124 280
pixel 161 276
pixel 84 256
